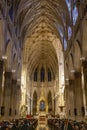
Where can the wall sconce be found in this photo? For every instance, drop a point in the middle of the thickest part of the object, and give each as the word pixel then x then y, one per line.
pixel 67 79
pixel 82 58
pixel 18 80
pixel 13 70
pixel 4 57
pixel 72 71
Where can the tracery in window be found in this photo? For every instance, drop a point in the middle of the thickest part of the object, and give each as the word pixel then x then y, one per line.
pixel 65 44
pixel 69 32
pixel 49 75
pixel 63 39
pixel 75 14
pixel 72 10
pixel 42 75
pixel 68 2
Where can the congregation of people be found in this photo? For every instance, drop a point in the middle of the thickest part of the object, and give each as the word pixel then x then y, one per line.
pixel 53 124
pixel 19 124
pixel 66 124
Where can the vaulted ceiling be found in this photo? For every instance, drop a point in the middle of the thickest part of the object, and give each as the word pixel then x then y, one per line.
pixel 39 23
pixel 31 13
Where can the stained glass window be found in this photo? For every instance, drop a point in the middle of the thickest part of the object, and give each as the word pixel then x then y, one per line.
pixel 42 75
pixel 75 14
pixel 63 39
pixel 60 29
pixel 72 7
pixel 65 44
pixel 42 105
pixel 68 2
pixel 69 32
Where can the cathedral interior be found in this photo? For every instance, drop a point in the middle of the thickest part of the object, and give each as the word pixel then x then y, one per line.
pixel 43 58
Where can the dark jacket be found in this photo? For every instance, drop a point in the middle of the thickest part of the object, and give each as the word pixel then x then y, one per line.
pixel 25 127
pixel 69 127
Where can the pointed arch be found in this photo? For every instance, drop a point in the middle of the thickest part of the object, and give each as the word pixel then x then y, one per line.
pixel 42 74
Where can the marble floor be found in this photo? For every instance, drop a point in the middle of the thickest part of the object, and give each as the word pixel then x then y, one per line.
pixel 42 127
pixel 42 123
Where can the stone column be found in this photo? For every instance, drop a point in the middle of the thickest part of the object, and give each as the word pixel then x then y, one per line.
pixel 78 96
pixel 1 80
pixel 13 97
pixel 67 101
pixel 84 63
pixel 7 94
pixel 69 93
pixel 18 100
pixel 71 98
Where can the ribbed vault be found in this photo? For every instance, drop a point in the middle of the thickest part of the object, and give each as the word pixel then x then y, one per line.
pixel 39 22
pixel 31 13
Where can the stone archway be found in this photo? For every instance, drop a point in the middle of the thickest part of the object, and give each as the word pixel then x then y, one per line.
pixel 42 102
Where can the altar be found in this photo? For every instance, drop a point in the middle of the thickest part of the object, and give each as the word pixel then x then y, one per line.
pixel 42 105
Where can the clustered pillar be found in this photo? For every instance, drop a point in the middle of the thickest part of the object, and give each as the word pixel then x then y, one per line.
pixel 70 99
pixel 78 96
pixel 1 80
pixel 7 93
pixel 10 94
pixel 85 81
pixel 13 103
pixel 18 99
pixel 74 98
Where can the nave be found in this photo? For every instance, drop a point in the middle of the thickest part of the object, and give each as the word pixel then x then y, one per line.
pixel 47 124
pixel 43 59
